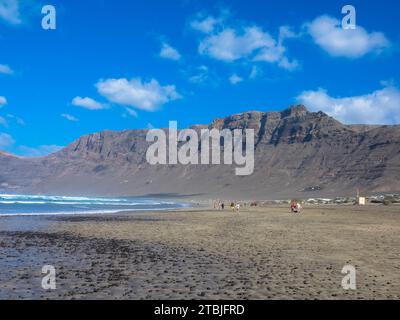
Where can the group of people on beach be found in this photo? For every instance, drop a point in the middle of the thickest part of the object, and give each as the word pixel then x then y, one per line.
pixel 221 206
pixel 295 206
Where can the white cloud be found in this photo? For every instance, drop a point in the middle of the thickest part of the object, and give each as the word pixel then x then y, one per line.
pixel 249 43
pixel 328 33
pixel 5 69
pixel 39 151
pixel 6 140
pixel 18 120
pixel 202 75
pixel 88 103
pixel 148 96
pixel 3 101
pixel 379 107
pixel 9 11
pixel 5 121
pixel 286 32
pixel 255 72
pixel 288 65
pixel 168 52
pixel 229 46
pixel 235 79
pixel 131 112
pixel 205 24
pixel 69 117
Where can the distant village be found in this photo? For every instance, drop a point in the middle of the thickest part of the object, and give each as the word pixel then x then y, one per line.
pixel 384 199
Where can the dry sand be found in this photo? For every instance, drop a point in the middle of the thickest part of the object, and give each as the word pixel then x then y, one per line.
pixel 261 253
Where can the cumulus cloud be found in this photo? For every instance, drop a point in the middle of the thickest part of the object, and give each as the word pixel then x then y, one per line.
pixel 205 24
pixel 379 107
pixel 148 96
pixel 328 33
pixel 235 79
pixel 88 103
pixel 40 151
pixel 69 117
pixel 168 52
pixel 229 46
pixel 3 101
pixel 286 32
pixel 249 43
pixel 6 140
pixel 9 11
pixel 5 69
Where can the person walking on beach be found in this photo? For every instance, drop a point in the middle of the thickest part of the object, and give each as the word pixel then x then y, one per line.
pixel 293 206
pixel 237 207
pixel 222 206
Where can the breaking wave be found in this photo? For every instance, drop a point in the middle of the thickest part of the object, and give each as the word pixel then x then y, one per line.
pixel 41 204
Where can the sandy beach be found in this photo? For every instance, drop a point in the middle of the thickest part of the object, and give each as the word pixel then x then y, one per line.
pixel 260 253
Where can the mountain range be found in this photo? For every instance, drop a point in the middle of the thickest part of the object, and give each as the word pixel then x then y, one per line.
pixel 298 153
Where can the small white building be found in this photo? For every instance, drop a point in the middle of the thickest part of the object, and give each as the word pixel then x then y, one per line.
pixel 362 201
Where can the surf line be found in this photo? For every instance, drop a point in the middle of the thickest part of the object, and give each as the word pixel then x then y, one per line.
pixel 184 146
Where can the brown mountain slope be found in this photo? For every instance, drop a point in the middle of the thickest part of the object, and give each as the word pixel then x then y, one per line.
pixel 295 150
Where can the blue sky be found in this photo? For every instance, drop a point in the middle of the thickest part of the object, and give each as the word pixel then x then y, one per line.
pixel 136 64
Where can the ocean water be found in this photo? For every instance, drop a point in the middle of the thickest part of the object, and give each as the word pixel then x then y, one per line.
pixel 29 205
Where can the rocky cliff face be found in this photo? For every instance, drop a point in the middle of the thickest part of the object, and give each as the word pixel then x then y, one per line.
pixel 296 151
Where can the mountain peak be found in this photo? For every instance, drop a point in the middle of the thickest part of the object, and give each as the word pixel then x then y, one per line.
pixel 295 110
pixel 299 107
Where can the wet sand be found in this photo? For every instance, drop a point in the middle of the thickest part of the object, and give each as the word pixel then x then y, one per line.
pixel 260 253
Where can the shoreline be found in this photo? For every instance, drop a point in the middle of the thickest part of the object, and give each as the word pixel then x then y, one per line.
pixel 44 205
pixel 90 213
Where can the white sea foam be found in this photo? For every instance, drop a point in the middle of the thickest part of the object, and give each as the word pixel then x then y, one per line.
pixel 89 212
pixel 17 204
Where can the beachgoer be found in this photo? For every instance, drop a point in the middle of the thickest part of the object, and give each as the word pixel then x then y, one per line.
pixel 238 207
pixel 293 206
pixel 222 206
